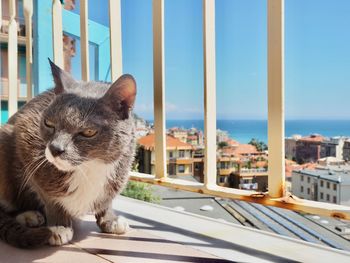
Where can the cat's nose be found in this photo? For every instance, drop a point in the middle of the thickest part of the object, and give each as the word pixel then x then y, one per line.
pixel 56 150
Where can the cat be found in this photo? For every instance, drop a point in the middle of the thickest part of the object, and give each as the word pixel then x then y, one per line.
pixel 66 152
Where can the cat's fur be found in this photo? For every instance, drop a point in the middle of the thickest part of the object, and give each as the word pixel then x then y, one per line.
pixel 48 166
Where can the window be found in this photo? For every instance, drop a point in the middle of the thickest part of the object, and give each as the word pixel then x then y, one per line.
pixel 181 168
pixel 302 189
pixel 302 178
pixel 322 183
pixel 181 154
pixel 222 179
pixel 321 195
pixel 308 180
pixel 328 185
pixel 308 190
pixel 171 154
pixel 335 187
pixel 328 197
pixel 196 167
pixel 246 181
pixel 334 199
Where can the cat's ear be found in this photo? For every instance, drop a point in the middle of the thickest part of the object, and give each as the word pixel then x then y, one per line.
pixel 63 80
pixel 121 95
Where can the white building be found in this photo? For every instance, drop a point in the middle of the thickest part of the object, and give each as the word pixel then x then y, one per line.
pixel 331 186
pixel 221 136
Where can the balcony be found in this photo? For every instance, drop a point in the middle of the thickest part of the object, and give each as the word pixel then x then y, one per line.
pixel 4 30
pixel 165 235
pixel 4 90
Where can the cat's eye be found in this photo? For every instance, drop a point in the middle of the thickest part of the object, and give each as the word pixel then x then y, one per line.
pixel 89 133
pixel 49 124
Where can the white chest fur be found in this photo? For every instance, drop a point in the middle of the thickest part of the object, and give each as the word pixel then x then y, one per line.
pixel 86 186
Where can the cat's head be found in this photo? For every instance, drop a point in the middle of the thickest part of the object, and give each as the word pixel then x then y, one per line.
pixel 87 121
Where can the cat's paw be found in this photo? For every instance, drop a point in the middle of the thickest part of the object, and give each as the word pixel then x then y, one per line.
pixel 60 235
pixel 119 225
pixel 31 219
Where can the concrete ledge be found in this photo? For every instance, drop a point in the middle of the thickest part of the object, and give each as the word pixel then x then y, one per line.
pixel 161 234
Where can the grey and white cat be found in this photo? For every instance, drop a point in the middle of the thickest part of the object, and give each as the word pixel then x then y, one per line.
pixel 66 152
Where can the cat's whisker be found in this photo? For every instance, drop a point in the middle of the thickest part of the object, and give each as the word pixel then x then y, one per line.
pixel 31 164
pixel 36 164
pixel 35 159
pixel 36 169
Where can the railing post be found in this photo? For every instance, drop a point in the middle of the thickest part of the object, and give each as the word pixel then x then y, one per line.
pixel 159 88
pixel 57 34
pixel 209 92
pixel 28 14
pixel 115 31
pixel 12 60
pixel 275 30
pixel 0 14
pixel 84 40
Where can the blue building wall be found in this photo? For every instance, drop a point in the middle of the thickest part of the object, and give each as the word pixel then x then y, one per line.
pixel 42 43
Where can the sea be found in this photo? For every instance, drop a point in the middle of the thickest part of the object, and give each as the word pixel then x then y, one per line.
pixel 244 130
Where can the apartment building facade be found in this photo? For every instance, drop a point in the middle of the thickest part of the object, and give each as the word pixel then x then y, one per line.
pixel 179 156
pixel 69 51
pixel 324 185
pixel 291 146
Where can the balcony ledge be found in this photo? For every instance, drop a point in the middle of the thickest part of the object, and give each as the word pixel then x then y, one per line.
pixel 161 234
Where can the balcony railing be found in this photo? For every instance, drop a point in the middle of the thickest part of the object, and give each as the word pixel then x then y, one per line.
pixel 276 195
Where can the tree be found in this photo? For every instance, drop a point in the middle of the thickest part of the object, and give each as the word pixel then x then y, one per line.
pixel 260 145
pixel 222 144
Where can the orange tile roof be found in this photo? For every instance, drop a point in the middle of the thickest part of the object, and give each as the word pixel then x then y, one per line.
pixel 241 149
pixel 245 149
pixel 292 166
pixel 261 164
pixel 312 138
pixel 232 142
pixel 171 143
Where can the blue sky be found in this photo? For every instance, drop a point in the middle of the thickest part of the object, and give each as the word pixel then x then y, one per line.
pixel 317 57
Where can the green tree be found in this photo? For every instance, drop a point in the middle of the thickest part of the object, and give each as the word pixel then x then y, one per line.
pixel 222 144
pixel 140 191
pixel 260 146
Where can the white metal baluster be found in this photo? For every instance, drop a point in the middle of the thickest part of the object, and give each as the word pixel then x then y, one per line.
pixel 115 30
pixel 209 92
pixel 57 35
pixel 84 40
pixel 276 179
pixel 12 60
pixel 28 14
pixel 159 88
pixel 0 14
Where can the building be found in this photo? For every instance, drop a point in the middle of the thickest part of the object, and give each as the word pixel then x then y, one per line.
pixel 333 147
pixel 314 147
pixel 339 140
pixel 308 149
pixel 249 179
pixel 290 146
pixel 21 72
pixel 221 136
pixel 179 156
pixel 178 133
pixel 325 185
pixel 346 150
pixel 69 51
pixel 195 137
pixel 226 165
pixel 242 166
